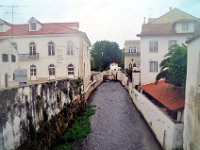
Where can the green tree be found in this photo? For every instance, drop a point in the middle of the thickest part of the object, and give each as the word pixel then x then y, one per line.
pixel 105 52
pixel 173 67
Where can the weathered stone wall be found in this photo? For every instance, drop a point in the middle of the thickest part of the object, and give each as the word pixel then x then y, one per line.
pixel 168 133
pixel 38 113
pixel 97 79
pixel 192 95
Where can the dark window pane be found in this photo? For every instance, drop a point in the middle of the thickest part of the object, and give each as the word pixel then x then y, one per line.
pixel 13 58
pixel 4 57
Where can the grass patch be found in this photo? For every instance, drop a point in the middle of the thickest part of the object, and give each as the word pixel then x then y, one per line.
pixel 78 130
pixel 81 127
pixel 65 146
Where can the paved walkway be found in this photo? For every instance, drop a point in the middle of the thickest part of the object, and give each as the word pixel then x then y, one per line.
pixel 116 124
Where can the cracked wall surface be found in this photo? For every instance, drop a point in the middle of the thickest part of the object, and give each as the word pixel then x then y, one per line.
pixel 37 103
pixel 192 103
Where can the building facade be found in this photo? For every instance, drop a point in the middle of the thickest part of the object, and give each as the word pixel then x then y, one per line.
pixel 48 51
pixel 132 54
pixel 159 34
pixel 192 102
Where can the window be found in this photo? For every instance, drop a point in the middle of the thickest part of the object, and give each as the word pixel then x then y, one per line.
pixel 13 77
pixel 153 46
pixel 51 69
pixel 185 26
pixel 13 58
pixel 70 48
pixel 32 48
pixel 70 69
pixel 33 71
pixel 132 50
pixel 153 66
pixel 5 57
pixel 171 43
pixel 87 50
pixel 14 45
pixel 33 26
pixel 51 47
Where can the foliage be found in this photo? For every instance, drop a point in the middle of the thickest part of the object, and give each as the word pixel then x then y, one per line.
pixel 81 127
pixel 65 146
pixel 78 130
pixel 104 53
pixel 174 66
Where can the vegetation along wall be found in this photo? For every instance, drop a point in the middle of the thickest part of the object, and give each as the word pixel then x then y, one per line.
pixel 34 116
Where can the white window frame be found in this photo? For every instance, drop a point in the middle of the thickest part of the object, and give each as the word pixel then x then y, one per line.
pixel 185 26
pixel 33 70
pixel 52 71
pixel 87 51
pixel 153 66
pixel 153 46
pixel 70 69
pixel 13 58
pixel 51 49
pixel 132 50
pixel 32 49
pixel 5 57
pixel 33 26
pixel 70 48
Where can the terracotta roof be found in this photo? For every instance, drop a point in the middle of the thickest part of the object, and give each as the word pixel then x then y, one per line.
pixel 47 28
pixel 166 94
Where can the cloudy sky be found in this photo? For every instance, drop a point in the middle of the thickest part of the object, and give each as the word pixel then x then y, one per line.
pixel 114 20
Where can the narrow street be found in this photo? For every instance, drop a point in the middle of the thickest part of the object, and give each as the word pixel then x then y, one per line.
pixel 116 124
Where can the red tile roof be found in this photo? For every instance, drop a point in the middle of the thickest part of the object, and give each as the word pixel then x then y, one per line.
pixel 47 28
pixel 166 94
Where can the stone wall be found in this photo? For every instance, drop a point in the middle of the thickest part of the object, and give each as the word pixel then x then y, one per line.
pixel 123 79
pixel 192 101
pixel 39 111
pixel 34 116
pixel 168 132
pixel 97 79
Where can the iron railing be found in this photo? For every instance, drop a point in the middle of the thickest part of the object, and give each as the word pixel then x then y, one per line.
pixel 132 53
pixel 26 57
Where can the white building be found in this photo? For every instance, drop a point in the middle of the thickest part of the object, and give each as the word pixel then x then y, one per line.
pixel 159 34
pixel 192 102
pixel 8 57
pixel 131 54
pixel 114 66
pixel 47 50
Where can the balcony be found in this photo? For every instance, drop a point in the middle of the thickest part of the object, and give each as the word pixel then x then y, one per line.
pixel 132 53
pixel 27 57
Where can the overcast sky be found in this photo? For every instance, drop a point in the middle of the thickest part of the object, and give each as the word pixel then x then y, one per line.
pixel 113 20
